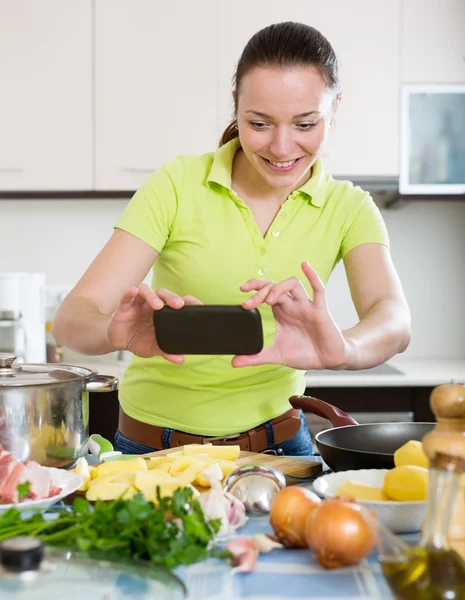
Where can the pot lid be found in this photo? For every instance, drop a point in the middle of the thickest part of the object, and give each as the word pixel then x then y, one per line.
pixel 73 575
pixel 17 375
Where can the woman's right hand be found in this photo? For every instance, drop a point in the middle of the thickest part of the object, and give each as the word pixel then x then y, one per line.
pixel 131 325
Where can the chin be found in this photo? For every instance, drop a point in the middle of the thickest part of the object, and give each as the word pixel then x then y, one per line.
pixel 285 181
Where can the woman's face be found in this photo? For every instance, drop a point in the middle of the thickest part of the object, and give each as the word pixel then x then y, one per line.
pixel 283 117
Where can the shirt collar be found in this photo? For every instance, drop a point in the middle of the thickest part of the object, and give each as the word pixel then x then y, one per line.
pixel 220 172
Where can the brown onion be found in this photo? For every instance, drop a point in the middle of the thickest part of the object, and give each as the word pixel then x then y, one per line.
pixel 338 532
pixel 289 512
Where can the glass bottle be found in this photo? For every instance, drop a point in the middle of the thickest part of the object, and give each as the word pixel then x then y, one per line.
pixel 435 570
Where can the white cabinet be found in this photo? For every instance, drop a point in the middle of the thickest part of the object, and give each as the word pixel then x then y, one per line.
pixel 45 97
pixel 366 38
pixel 433 41
pixel 155 86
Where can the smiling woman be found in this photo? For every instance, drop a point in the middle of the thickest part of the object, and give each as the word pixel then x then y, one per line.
pixel 241 225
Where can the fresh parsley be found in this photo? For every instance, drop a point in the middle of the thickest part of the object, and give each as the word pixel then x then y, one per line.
pixel 171 532
pixel 23 490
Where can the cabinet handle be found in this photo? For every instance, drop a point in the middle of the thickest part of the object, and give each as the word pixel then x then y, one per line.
pixel 11 170
pixel 139 169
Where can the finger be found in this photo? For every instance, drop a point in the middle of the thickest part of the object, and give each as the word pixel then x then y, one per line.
pixel 127 300
pixel 170 298
pixel 177 359
pixel 258 298
pixel 191 300
pixel 289 289
pixel 255 284
pixel 147 295
pixel 319 291
pixel 265 357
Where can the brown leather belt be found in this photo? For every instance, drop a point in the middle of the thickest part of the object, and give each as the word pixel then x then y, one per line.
pixel 284 427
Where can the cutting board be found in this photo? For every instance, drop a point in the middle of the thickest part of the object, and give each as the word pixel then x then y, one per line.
pixel 300 468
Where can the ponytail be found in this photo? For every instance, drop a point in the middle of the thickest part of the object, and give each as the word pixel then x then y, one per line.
pixel 231 132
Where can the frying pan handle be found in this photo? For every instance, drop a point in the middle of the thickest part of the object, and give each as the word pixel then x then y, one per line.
pixel 337 416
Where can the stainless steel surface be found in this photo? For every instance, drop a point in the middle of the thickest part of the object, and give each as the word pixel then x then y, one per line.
pixel 44 410
pixel 255 486
pixel 385 369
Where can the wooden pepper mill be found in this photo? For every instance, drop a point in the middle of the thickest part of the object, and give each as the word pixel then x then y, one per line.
pixel 447 402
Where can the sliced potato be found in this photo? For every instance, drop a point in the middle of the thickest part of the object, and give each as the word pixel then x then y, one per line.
pixel 150 479
pixel 153 463
pixel 212 471
pixel 227 466
pixel 106 490
pixel 167 488
pixel 82 469
pixel 93 471
pixel 222 452
pixel 122 466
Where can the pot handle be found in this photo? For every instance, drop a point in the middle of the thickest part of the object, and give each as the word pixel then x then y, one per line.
pixel 101 383
pixel 309 404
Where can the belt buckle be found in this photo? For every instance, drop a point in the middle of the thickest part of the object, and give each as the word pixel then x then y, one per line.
pixel 221 438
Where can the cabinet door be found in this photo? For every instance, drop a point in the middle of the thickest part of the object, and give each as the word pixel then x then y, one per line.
pixel 365 36
pixel 155 88
pixel 45 98
pixel 433 41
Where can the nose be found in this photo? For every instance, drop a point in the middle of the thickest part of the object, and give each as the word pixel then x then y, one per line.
pixel 281 142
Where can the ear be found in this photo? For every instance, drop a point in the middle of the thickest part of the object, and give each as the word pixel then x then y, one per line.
pixel 336 102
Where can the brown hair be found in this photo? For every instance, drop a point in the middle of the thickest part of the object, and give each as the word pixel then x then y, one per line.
pixel 286 44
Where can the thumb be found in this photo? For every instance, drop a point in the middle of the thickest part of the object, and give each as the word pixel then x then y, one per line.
pixel 266 357
pixel 127 300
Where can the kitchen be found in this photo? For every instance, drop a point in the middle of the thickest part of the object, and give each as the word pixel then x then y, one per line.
pixel 64 181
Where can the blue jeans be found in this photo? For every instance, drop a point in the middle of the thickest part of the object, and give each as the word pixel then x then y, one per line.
pixel 299 445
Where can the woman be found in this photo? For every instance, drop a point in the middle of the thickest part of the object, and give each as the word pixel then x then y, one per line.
pixel 222 228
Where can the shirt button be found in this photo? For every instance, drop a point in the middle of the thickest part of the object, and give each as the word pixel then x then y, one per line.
pixel 284 215
pixel 261 272
pixel 275 233
pixel 263 251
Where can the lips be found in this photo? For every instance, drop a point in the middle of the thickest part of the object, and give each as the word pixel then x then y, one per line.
pixel 282 166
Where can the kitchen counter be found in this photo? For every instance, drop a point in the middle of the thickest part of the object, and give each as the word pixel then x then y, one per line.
pixel 399 372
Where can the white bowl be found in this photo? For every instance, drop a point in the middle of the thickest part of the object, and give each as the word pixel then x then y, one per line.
pixel 400 517
pixel 67 481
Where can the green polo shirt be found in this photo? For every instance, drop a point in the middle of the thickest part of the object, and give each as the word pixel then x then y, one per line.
pixel 210 244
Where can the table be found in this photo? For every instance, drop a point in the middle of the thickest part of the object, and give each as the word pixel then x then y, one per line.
pixel 285 575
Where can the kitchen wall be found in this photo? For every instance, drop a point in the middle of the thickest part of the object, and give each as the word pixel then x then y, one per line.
pixel 61 238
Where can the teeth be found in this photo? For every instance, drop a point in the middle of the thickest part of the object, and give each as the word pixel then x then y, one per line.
pixel 283 164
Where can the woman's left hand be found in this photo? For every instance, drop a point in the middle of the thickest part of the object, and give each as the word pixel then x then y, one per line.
pixel 306 335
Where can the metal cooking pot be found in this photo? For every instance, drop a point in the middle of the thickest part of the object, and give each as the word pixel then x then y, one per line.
pixel 352 446
pixel 44 410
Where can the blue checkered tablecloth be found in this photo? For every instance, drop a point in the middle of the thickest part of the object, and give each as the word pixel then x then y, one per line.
pixel 285 575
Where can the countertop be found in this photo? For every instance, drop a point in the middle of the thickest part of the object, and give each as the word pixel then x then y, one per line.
pixel 399 372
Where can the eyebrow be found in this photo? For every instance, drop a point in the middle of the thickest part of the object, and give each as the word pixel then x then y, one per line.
pixel 265 116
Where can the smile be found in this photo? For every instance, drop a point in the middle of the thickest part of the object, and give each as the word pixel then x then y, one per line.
pixel 282 167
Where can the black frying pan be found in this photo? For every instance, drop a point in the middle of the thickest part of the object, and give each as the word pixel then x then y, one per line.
pixel 352 446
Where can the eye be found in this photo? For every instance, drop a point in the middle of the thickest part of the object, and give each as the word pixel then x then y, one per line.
pixel 306 126
pixel 258 125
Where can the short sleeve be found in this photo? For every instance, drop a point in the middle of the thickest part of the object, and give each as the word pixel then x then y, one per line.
pixel 367 227
pixel 152 210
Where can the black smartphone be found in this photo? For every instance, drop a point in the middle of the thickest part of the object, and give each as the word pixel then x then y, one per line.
pixel 209 329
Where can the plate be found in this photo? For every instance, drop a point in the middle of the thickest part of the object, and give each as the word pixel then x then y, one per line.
pixel 400 517
pixel 69 482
